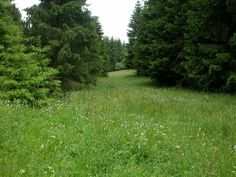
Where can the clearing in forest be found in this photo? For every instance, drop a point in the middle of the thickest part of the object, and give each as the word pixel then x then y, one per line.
pixel 122 127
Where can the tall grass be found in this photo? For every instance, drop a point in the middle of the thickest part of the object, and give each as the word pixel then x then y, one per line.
pixel 123 127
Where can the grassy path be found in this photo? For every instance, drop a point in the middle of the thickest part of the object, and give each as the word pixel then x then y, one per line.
pixel 123 127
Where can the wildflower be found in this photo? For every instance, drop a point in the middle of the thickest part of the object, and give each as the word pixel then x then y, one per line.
pixel 42 146
pixel 53 136
pixel 22 171
pixel 51 169
pixel 161 126
pixel 234 147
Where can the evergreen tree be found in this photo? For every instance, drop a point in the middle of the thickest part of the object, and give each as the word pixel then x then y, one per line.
pixel 192 43
pixel 22 76
pixel 115 53
pixel 231 79
pixel 104 58
pixel 159 41
pixel 132 35
pixel 15 13
pixel 209 45
pixel 72 35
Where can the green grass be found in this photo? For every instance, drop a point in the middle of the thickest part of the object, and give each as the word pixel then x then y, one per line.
pixel 123 127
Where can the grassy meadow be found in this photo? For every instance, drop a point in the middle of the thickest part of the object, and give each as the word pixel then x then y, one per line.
pixel 122 127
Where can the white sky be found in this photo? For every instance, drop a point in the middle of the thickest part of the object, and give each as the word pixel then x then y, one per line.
pixel 114 15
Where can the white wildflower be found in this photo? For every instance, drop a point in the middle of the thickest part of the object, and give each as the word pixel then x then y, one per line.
pixel 161 126
pixel 42 146
pixel 53 136
pixel 22 171
pixel 234 147
pixel 51 169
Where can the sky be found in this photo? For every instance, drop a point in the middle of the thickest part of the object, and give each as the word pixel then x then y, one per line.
pixel 114 15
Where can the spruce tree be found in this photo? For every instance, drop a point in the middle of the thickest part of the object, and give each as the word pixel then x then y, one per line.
pixel 167 51
pixel 67 28
pixel 159 41
pixel 115 53
pixel 132 35
pixel 190 43
pixel 210 45
pixel 23 77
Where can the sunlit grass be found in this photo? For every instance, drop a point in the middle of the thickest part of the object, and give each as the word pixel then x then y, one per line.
pixel 122 127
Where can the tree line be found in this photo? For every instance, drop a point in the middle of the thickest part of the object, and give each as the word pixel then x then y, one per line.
pixel 187 43
pixel 59 47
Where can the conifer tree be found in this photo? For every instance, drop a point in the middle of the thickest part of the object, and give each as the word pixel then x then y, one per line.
pixel 210 45
pixel 132 35
pixel 115 53
pixel 160 41
pixel 24 76
pixel 72 35
pixel 188 42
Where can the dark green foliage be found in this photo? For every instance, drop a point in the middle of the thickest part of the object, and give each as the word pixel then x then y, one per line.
pixel 190 43
pixel 72 35
pixel 132 34
pixel 160 41
pixel 15 13
pixel 104 58
pixel 24 75
pixel 114 51
pixel 209 48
